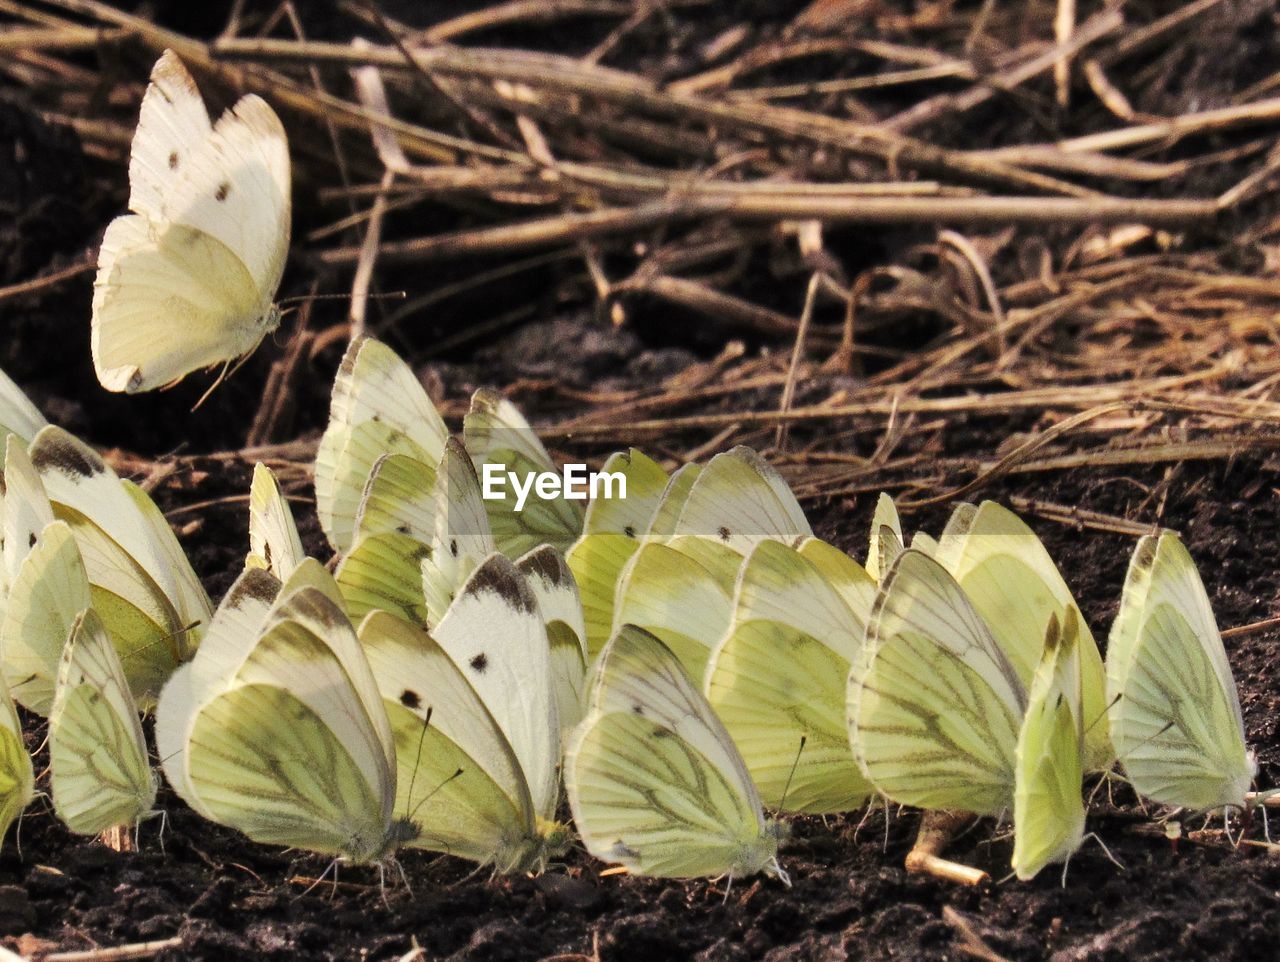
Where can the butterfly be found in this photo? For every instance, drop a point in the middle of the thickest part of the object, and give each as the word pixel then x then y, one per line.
pixel 612 531
pixel 676 598
pixel 48 585
pixel 188 279
pixel 938 714
pixel 276 727
pixel 496 434
pixel 737 500
pixel 474 716
pixel 100 773
pixel 421 530
pixel 1175 714
pixel 17 414
pixel 141 583
pixel 654 780
pixel 1048 810
pixel 886 537
pixel 274 543
pixel 377 407
pixel 777 676
pixel 679 583
pixel 17 778
pixel 1013 583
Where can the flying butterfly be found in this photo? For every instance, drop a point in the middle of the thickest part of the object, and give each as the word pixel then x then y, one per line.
pixel 188 279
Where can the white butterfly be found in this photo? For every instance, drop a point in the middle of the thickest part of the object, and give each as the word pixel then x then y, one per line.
pixel 276 728
pixel 100 774
pixel 143 586
pixel 378 408
pixel 1175 714
pixel 612 531
pixel 188 279
pixel 495 432
pixel 654 780
pixel 274 543
pixel 475 718
pixel 777 677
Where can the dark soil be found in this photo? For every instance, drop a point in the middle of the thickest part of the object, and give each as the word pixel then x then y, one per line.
pixel 851 898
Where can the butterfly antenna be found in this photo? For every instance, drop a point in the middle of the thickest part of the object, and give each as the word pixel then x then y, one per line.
pixel 422 738
pixel 782 803
pixel 426 798
pixel 1102 714
pixel 308 298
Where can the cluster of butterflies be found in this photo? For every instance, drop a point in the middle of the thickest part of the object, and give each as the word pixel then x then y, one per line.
pixel 680 659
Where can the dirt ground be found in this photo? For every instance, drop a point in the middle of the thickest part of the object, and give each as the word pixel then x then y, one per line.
pixel 564 361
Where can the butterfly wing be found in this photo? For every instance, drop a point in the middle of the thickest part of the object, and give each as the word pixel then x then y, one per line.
pixel 460 539
pixel 674 597
pixel 45 599
pixel 172 126
pixel 27 510
pixel 99 771
pixel 551 581
pixel 611 534
pixel 232 633
pixel 378 407
pixel 1178 728
pixel 17 414
pixel 1048 811
pixel 274 543
pixel 494 633
pixel 1013 583
pixel 654 780
pixel 777 681
pixel 457 776
pixel 494 432
pixel 296 750
pixel 17 779
pixel 886 537
pixel 935 707
pixel 738 500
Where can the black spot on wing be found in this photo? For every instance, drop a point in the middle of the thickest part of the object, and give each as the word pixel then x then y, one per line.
pixel 501 576
pixel 410 699
pixel 60 452
pixel 546 564
pixel 480 662
pixel 255 583
pixel 453 547
pixel 724 533
pixel 629 531
pixel 173 160
pixel 31 540
pixel 223 190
